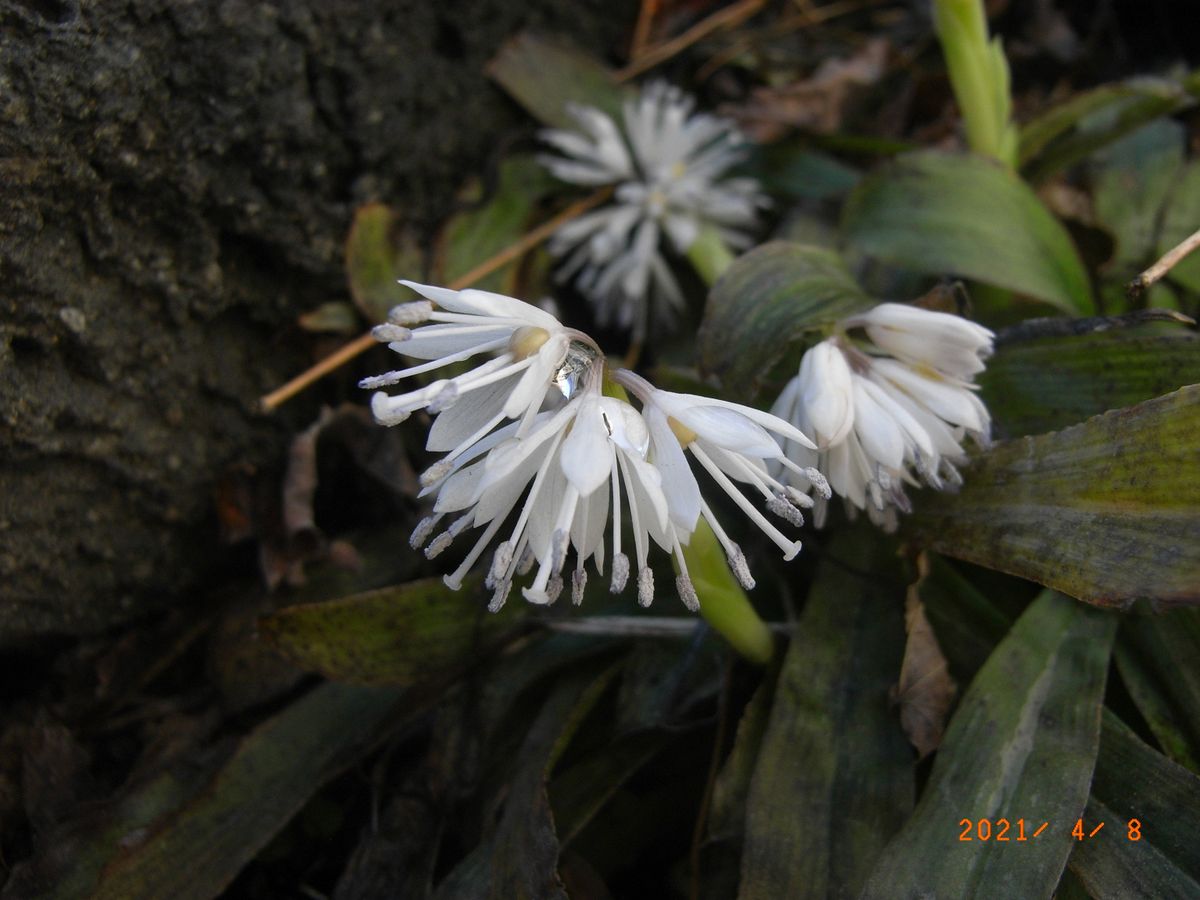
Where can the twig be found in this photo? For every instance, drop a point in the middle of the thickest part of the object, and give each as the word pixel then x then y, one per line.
pixel 632 354
pixel 641 30
pixel 364 342
pixel 1170 259
pixel 728 17
pixel 803 17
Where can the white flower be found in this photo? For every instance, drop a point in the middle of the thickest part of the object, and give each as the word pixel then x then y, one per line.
pixel 732 443
pixel 567 467
pixel 666 165
pixel 533 352
pixel 883 421
pixel 529 437
pixel 921 337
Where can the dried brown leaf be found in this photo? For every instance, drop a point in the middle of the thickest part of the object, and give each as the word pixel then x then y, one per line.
pixel 815 104
pixel 925 690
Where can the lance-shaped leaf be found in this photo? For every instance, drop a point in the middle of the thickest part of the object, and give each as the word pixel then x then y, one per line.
pixel 1107 511
pixel 580 792
pixel 546 75
pixel 378 253
pixel 1180 217
pixel 1022 745
pixel 519 855
pixel 1131 181
pixel 834 775
pixel 1038 382
pixel 471 237
pixel 727 814
pixel 764 301
pixel 954 214
pixel 195 852
pixel 968 625
pixel 1068 132
pixel 1156 656
pixel 395 635
pixel 1135 783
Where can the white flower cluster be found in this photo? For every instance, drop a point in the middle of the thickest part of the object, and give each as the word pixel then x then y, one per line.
pixel 666 166
pixel 531 431
pixel 891 410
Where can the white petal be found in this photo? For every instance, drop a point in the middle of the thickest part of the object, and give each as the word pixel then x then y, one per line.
pixel 916 435
pixel 826 393
pixel 485 303
pixel 678 482
pixel 729 429
pixel 531 389
pixel 676 406
pixel 626 426
pixel 644 487
pixel 436 341
pixel 949 399
pixel 467 414
pixel 586 452
pixel 587 529
pixel 881 437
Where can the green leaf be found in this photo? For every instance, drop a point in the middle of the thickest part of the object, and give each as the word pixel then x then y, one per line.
pixel 1022 745
pixel 377 254
pixel 764 301
pixel 1132 781
pixel 793 170
pixel 660 681
pixel 472 237
pixel 954 214
pixel 1077 127
pixel 967 623
pixel 1180 220
pixel 834 776
pixel 545 75
pixel 1132 181
pixel 1156 657
pixel 334 317
pixel 266 782
pixel 518 858
pixel 1043 382
pixel 395 635
pixel 583 790
pixel 71 864
pixel 979 75
pixel 727 813
pixel 1107 511
pixel 723 601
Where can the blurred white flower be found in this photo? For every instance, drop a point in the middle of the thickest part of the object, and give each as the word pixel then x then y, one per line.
pixel 665 163
pixel 890 410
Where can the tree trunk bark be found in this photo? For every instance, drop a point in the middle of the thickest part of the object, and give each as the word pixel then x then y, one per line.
pixel 176 180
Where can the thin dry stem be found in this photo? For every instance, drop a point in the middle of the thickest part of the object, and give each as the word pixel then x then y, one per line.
pixel 632 355
pixel 728 17
pixel 641 30
pixel 364 342
pixel 1156 272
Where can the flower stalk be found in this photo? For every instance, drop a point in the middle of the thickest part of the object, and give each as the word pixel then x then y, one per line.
pixel 980 78
pixel 710 255
pixel 723 603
